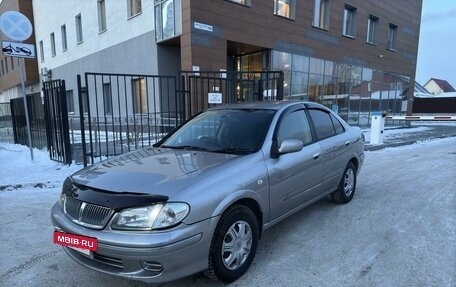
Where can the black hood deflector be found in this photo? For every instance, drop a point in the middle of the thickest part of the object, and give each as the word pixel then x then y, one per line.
pixel 113 200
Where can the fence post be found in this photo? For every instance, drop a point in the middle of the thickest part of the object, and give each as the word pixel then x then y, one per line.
pixel 65 127
pixel 81 121
pixel 13 121
pixel 184 96
pixel 280 87
pixel 47 118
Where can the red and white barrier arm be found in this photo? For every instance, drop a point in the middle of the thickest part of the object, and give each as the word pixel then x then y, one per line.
pixel 422 118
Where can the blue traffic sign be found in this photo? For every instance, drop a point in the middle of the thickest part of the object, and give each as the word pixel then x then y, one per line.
pixel 15 26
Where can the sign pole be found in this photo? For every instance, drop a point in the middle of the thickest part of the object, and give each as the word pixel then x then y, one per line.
pixel 16 26
pixel 24 94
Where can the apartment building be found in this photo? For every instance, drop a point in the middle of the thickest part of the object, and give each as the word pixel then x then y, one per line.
pixel 356 56
pixel 105 36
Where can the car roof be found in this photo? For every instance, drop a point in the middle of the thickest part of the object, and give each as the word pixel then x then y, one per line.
pixel 266 105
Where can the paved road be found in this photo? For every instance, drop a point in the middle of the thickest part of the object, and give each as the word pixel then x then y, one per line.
pixel 400 230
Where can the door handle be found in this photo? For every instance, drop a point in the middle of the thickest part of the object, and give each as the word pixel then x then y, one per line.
pixel 317 155
pixel 347 142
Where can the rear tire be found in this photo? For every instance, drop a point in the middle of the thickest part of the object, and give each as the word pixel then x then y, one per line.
pixel 233 245
pixel 347 185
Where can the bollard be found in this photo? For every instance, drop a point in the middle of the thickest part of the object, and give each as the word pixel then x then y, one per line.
pixel 377 128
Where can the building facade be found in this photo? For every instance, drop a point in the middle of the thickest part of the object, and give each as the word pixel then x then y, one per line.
pixel 10 77
pixel 356 56
pixel 100 36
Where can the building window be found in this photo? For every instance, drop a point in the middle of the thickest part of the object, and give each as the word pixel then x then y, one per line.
pixel 168 19
pixel 139 96
pixel 134 7
pixel 78 21
pixel 12 63
pixel 64 38
pixel 392 37
pixel 6 64
pixel 101 16
pixel 3 68
pixel 242 2
pixel 41 51
pixel 284 8
pixel 372 30
pixel 53 44
pixel 349 28
pixel 70 101
pixel 321 14
pixel 107 98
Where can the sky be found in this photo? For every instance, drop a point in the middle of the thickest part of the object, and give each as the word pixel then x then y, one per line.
pixel 437 46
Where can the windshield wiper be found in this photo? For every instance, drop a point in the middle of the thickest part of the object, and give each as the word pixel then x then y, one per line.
pixel 186 147
pixel 233 150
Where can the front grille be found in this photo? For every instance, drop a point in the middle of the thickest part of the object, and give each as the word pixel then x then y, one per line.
pixel 86 214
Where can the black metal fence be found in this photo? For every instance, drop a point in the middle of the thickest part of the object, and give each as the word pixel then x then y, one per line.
pixel 36 117
pixel 201 90
pixel 123 112
pixel 6 125
pixel 55 106
pixel 119 113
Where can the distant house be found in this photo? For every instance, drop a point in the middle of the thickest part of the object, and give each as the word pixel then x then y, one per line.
pixel 437 86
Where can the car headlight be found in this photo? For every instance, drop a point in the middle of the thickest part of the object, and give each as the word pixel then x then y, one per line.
pixel 155 216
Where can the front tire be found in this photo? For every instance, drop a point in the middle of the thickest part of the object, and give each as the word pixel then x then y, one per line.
pixel 347 185
pixel 233 245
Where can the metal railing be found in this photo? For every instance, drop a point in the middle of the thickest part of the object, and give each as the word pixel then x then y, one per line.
pixel 37 121
pixel 196 88
pixel 119 113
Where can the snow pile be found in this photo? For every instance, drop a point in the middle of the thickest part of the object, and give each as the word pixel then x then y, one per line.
pixel 17 170
pixel 393 133
pixel 411 147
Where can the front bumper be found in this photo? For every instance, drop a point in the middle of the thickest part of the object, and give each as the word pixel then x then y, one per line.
pixel 153 257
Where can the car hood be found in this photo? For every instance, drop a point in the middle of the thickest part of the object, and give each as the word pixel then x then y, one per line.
pixel 158 171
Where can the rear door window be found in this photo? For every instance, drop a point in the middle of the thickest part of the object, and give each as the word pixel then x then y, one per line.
pixel 337 125
pixel 323 124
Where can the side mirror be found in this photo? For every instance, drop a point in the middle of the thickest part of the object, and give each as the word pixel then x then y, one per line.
pixel 290 146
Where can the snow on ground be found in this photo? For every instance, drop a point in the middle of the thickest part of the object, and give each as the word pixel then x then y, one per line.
pixel 17 170
pixel 411 147
pixel 395 132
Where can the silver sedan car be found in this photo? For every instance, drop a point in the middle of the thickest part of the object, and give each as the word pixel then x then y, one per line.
pixel 201 198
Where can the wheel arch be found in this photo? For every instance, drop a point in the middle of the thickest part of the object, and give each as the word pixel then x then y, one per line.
pixel 251 204
pixel 355 162
pixel 255 207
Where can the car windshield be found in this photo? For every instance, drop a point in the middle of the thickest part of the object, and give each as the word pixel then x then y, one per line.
pixel 238 131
